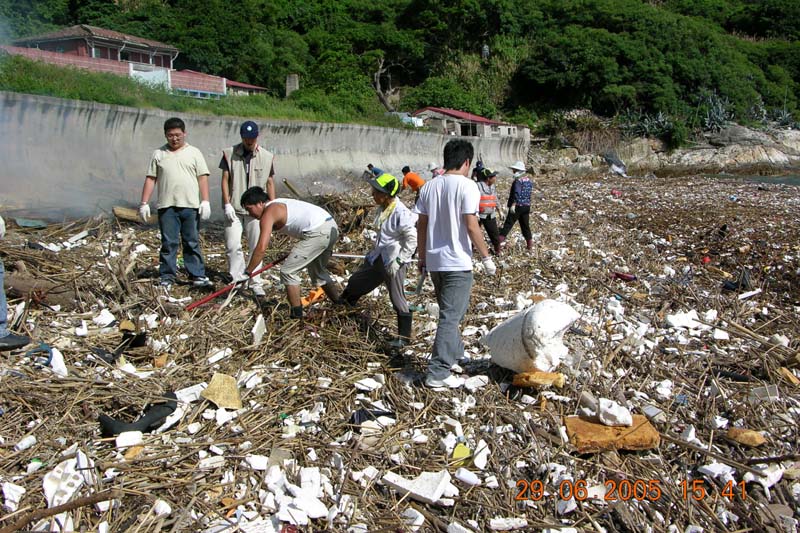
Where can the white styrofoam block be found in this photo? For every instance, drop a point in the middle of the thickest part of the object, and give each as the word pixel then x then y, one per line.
pixel 13 494
pixel 507 524
pixel 257 462
pixel 259 329
pixel 470 478
pixel 532 339
pixel 481 455
pixel 426 487
pixel 613 414
pixel 129 438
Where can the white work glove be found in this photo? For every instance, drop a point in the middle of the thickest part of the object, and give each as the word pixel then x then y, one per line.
pixel 392 267
pixel 2 228
pixel 230 213
pixel 512 209
pixel 144 212
pixel 489 266
pixel 242 280
pixel 205 210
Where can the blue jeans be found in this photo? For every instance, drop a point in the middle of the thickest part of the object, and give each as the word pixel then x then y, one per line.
pixel 3 308
pixel 179 224
pixel 452 294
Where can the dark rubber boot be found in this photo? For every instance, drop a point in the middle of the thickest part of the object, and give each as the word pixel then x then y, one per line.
pixel 404 325
pixel 530 244
pixel 296 312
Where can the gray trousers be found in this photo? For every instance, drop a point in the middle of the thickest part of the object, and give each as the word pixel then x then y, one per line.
pixel 452 295
pixel 369 276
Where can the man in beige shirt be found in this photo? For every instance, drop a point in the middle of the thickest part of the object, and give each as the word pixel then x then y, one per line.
pixel 180 173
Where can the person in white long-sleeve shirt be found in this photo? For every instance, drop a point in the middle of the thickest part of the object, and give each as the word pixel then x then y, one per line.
pixel 387 261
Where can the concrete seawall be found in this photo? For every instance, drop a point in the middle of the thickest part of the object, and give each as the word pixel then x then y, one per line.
pixel 80 156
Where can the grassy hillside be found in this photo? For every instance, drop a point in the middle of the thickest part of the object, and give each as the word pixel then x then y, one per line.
pixel 19 74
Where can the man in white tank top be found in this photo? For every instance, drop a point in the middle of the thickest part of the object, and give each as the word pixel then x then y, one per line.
pixel 311 225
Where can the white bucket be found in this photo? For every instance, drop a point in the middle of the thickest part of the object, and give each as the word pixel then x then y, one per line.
pixel 532 339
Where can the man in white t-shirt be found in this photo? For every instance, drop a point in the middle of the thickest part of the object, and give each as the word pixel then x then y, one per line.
pixel 179 173
pixel 447 229
pixel 311 225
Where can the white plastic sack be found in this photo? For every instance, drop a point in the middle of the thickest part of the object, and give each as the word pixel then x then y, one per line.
pixel 532 339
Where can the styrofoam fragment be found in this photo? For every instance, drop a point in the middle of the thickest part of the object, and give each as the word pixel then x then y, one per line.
pixel 507 524
pixel 470 478
pixel 413 519
pixel 104 319
pixel 258 330
pixel 310 505
pixel 257 462
pixel 613 414
pixel 419 437
pixel 448 443
pixel 721 335
pixel 209 463
pixel 718 470
pixel 481 456
pixel 13 494
pixel 129 438
pixel 57 363
pixel 368 384
pixel 455 527
pixel 664 389
pixel 453 426
pixel 566 506
pixel 218 354
pixel 426 487
pixel 194 427
pixel 688 320
pixel 161 508
pixel 474 383
pixel 451 491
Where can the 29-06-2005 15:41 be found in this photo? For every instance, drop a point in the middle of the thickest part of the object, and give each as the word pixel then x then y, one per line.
pixel 625 490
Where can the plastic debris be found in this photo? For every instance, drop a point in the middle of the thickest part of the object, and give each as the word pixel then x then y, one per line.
pixel 223 391
pixel 427 487
pixel 532 339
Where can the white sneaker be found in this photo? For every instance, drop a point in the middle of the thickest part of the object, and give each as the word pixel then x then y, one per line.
pixel 258 290
pixel 451 382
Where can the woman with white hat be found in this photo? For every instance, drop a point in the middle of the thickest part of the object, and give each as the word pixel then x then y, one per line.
pixel 519 204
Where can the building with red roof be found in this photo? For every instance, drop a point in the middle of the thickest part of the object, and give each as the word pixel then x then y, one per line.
pixel 103 50
pixel 455 122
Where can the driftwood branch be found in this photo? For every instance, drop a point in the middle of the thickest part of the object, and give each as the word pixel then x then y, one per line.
pixel 69 506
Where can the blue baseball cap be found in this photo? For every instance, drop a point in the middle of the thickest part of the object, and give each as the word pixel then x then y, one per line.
pixel 249 130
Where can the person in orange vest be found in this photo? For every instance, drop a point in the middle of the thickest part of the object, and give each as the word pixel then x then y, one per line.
pixel 487 209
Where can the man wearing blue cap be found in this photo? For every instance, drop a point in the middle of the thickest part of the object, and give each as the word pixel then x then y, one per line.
pixel 243 166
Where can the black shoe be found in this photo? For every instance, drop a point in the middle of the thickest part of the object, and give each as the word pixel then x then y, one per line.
pixel 12 342
pixel 296 312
